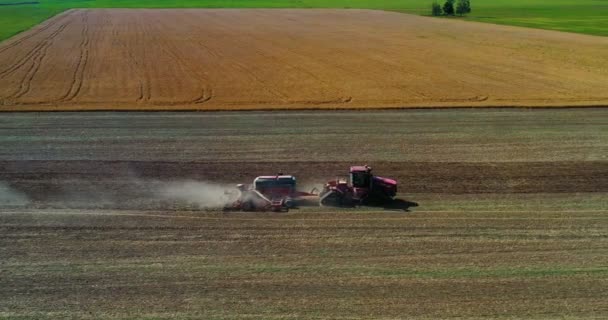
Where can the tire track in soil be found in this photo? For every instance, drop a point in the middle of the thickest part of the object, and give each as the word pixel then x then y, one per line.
pixel 342 98
pixel 336 49
pixel 204 97
pixel 49 24
pixel 128 54
pixel 139 61
pixel 145 84
pixel 32 53
pixel 388 63
pixel 219 57
pixel 235 64
pixel 206 90
pixel 38 56
pixel 340 51
pixel 79 72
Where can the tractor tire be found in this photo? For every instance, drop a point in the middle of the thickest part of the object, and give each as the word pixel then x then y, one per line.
pixel 330 199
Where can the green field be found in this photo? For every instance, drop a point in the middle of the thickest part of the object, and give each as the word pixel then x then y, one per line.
pixel 581 16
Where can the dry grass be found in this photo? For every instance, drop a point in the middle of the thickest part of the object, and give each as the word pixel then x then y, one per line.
pixel 121 59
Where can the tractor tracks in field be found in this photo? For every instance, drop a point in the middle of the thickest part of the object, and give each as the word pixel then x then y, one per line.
pixel 79 72
pixel 36 56
pixel 228 29
pixel 139 61
pixel 142 68
pixel 206 89
pixel 26 84
pixel 235 63
pixel 34 52
pixel 342 97
pixel 34 33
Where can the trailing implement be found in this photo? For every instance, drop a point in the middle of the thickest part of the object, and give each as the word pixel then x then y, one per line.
pixel 267 193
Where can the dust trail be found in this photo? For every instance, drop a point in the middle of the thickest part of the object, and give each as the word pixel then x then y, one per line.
pixel 11 197
pixel 199 193
pixel 126 193
pixel 133 192
pixel 311 187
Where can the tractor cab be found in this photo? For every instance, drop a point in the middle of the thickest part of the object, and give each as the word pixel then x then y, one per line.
pixel 278 186
pixel 361 181
pixel 361 176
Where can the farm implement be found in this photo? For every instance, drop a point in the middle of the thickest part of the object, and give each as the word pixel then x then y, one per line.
pixel 268 193
pixel 278 193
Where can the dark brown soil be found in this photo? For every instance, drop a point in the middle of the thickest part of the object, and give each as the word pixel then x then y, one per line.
pixel 46 180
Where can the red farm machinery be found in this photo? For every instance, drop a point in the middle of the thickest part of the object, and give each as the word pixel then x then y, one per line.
pixel 278 193
pixel 362 188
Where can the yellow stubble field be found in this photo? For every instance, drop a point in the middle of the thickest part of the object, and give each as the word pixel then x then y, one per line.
pixel 229 59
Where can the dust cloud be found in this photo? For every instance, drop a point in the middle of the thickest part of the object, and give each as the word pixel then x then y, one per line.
pixel 10 197
pixel 199 193
pixel 129 193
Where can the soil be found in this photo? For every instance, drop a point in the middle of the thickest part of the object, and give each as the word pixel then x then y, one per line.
pixel 516 228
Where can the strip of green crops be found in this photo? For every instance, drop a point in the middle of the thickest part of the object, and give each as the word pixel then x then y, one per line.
pixel 581 16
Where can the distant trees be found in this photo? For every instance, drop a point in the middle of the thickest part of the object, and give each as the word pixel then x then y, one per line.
pixel 448 8
pixel 463 7
pixel 436 9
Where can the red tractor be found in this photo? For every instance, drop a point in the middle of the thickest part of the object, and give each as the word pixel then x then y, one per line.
pixel 267 193
pixel 362 189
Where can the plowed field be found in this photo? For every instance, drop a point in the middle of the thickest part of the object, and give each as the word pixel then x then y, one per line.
pixel 267 59
pixel 511 222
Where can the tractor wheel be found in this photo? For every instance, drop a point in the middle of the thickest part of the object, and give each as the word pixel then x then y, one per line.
pixel 330 199
pixel 347 200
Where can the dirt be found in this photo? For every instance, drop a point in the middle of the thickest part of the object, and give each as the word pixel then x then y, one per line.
pixel 130 184
pixel 111 160
pixel 370 265
pixel 519 231
pixel 116 160
pixel 215 59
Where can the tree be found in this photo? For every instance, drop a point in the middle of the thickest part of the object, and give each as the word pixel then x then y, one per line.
pixel 436 9
pixel 448 8
pixel 463 7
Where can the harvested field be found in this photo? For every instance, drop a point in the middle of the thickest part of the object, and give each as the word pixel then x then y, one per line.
pixel 195 59
pixel 511 222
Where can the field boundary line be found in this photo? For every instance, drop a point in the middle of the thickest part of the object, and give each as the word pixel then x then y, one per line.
pixel 50 107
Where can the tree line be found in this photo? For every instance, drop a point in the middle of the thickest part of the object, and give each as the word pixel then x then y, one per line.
pixel 462 7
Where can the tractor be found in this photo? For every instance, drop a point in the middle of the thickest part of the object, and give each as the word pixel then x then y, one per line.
pixel 363 188
pixel 267 193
